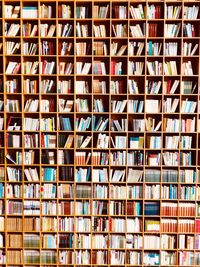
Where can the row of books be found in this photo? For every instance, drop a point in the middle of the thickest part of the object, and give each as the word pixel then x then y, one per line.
pixel 28 207
pixel 64 123
pixel 140 11
pixel 100 124
pixel 101 257
pixel 98 68
pixel 126 242
pixel 82 105
pixel 100 87
pixel 101 192
pixel 83 30
pixel 135 142
pixel 99 224
pixel 101 48
pixel 101 174
pixel 153 192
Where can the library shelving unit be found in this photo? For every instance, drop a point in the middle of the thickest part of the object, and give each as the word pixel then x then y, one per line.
pixel 99 133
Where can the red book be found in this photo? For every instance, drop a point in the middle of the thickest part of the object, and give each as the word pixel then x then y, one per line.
pixel 197 226
pixel 59 47
pixel 113 67
pixel 34 140
pixel 69 87
pixel 35 87
pixel 94 257
pixel 110 224
pixel 9 120
pixel 193 31
pixel 59 11
pixel 116 8
pixel 169 86
pixel 51 52
pixel 157 12
pixel 42 140
pixel 120 87
pixel 44 66
pixel 66 208
pixel 51 105
pixel 7 135
pixel 155 30
pixel 151 30
pixel 17 68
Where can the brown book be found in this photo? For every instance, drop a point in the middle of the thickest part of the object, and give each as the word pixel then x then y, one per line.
pixel 59 11
pixel 51 105
pixel 94 257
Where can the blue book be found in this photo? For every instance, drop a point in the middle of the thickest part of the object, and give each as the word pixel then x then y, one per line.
pixel 194 177
pixel 88 121
pixel 52 172
pixel 70 240
pixel 45 174
pixel 82 125
pixel 101 176
pixel 64 123
pixel 171 192
pixel 150 48
pixel 84 208
pixel 54 191
pixel 1 190
pixel 47 140
pixel 98 124
pixel 50 241
pixel 48 174
pixel 78 175
pixel 88 175
pixel 137 208
pixel 93 123
pixel 67 124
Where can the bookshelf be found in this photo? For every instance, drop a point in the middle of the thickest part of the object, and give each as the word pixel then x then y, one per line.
pixel 99 133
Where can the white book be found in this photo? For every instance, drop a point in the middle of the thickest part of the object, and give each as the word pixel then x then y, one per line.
pixel 123 105
pixel 86 142
pixel 34 30
pixel 150 68
pixel 157 88
pixel 86 68
pixel 117 125
pixel 102 31
pixel 30 12
pixel 152 106
pixel 11 66
pixel 194 50
pixel 8 10
pixel 174 105
pixel 103 68
pixel 79 67
pixel 174 86
pixel 28 175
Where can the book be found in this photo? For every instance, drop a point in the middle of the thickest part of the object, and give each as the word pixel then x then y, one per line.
pixel 11 30
pixel 30 12
pixel 11 11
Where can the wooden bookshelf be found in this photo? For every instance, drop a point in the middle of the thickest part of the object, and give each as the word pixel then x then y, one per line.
pixel 99 133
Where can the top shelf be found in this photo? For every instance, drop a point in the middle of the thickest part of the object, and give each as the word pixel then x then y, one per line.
pixel 136 10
